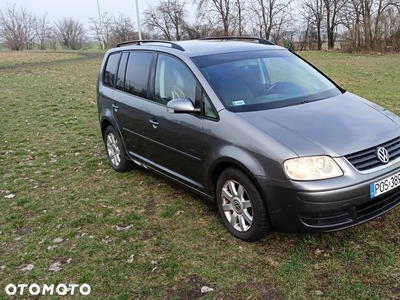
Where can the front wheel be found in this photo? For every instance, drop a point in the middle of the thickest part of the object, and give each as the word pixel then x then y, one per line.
pixel 241 206
pixel 115 151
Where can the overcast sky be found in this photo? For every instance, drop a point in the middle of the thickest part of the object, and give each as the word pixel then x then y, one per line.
pixel 81 10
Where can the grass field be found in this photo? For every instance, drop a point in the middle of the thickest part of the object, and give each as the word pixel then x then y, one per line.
pixel 9 59
pixel 65 213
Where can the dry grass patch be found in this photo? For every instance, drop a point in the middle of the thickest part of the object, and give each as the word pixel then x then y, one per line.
pixel 8 59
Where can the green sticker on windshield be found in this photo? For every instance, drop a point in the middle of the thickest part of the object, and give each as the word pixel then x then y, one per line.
pixel 239 102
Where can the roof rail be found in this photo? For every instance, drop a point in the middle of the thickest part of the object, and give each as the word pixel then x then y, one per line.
pixel 260 41
pixel 139 42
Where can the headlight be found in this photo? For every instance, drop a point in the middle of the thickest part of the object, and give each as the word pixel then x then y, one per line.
pixel 312 168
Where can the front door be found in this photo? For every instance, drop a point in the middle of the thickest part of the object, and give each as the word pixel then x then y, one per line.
pixel 177 138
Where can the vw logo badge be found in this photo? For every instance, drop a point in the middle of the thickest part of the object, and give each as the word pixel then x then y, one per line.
pixel 383 155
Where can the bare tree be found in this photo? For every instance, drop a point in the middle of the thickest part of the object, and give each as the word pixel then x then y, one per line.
pixel 42 30
pixel 217 12
pixel 240 20
pixel 314 13
pixel 351 21
pixel 307 36
pixel 324 13
pixel 167 17
pixel 366 11
pixel 371 24
pixel 333 8
pixel 198 30
pixel 272 16
pixel 17 28
pixel 123 30
pixel 372 14
pixel 70 33
pixel 102 28
pixel 52 39
pixel 392 30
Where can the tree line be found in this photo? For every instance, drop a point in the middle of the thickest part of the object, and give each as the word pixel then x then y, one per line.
pixel 351 25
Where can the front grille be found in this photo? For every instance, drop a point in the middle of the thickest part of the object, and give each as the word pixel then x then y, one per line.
pixel 366 160
pixel 354 215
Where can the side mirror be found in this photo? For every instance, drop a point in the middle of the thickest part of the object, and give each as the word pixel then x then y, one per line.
pixel 182 105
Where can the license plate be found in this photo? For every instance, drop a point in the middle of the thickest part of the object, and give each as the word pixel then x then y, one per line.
pixel 384 185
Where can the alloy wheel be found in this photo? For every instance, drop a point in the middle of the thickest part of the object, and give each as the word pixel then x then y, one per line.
pixel 236 204
pixel 113 149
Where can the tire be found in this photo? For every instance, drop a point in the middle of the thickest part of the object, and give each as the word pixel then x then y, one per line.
pixel 115 151
pixel 241 206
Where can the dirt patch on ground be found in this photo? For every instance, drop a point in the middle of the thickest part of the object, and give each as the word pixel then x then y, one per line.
pixel 150 207
pixel 195 283
pixel 266 289
pixel 84 56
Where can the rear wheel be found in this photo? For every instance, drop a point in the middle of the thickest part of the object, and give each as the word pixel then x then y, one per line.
pixel 241 206
pixel 115 151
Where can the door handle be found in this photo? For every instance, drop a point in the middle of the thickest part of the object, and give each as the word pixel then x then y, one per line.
pixel 115 106
pixel 154 123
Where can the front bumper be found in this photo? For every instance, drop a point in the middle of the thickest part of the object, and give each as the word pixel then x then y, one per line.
pixel 308 208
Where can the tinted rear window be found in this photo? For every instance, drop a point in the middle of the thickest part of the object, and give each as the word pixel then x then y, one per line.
pixel 111 68
pixel 137 73
pixel 121 71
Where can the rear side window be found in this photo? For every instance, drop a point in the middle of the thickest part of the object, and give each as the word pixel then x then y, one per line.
pixel 111 68
pixel 121 71
pixel 137 73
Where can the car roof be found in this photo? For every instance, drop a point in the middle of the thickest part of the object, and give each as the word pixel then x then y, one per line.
pixel 206 47
pixel 194 48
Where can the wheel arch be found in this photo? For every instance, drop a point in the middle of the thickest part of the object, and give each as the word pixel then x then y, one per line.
pixel 104 124
pixel 107 118
pixel 248 164
pixel 226 163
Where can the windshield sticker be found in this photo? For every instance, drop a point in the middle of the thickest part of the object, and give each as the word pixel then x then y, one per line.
pixel 239 102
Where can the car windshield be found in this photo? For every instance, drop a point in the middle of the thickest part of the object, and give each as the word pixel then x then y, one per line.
pixel 266 79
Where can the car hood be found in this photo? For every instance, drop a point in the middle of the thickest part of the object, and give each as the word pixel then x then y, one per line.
pixel 336 126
